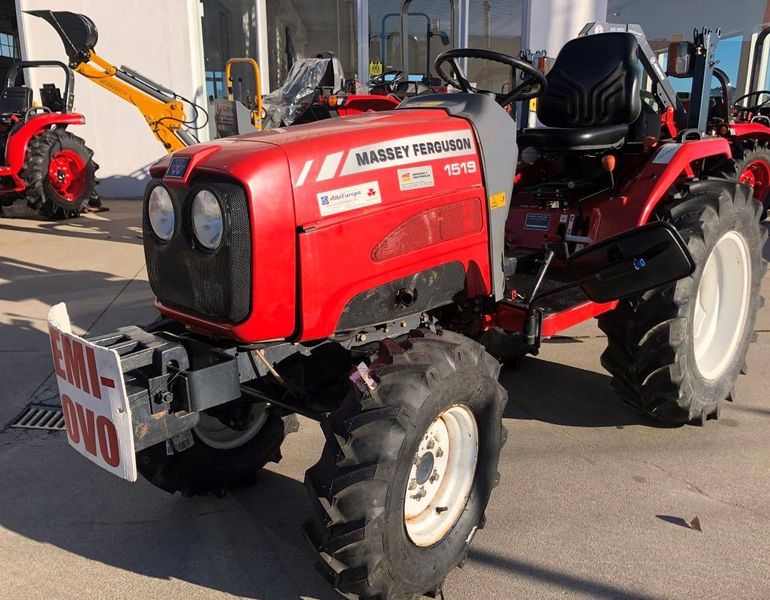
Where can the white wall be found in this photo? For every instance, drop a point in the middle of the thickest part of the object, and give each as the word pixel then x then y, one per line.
pixel 549 24
pixel 160 39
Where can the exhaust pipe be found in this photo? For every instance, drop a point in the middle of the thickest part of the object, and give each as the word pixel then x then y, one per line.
pixel 77 32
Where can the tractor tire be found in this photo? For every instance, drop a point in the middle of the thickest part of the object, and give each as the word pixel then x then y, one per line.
pixel 220 458
pixel 392 517
pixel 60 174
pixel 675 352
pixel 752 164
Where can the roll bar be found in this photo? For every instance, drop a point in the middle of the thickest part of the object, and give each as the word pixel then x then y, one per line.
pixel 69 84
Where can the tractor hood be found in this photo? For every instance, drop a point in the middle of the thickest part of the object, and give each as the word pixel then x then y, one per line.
pixel 334 209
pixel 327 158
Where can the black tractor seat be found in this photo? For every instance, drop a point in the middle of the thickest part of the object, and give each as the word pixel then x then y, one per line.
pixel 15 100
pixel 574 138
pixel 592 96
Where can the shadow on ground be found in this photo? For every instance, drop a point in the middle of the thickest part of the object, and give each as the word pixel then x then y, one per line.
pixel 564 395
pixel 121 223
pixel 247 544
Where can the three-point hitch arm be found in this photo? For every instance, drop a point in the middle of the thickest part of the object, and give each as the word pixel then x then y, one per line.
pixel 163 109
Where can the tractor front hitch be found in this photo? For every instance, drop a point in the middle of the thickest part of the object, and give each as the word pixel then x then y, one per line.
pixel 169 380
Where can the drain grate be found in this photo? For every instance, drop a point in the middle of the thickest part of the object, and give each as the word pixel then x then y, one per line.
pixel 40 417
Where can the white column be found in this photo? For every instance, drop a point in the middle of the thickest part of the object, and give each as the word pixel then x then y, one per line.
pixel 263 56
pixel 362 33
pixel 549 24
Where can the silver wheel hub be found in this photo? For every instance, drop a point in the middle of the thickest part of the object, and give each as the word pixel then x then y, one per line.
pixel 721 305
pixel 216 434
pixel 441 477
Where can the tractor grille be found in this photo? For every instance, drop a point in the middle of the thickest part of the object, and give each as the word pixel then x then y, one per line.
pixel 215 285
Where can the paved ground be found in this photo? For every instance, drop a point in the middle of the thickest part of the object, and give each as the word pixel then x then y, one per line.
pixel 590 503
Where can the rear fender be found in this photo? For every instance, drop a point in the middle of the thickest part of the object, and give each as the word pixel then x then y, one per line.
pixel 740 132
pixel 16 148
pixel 638 199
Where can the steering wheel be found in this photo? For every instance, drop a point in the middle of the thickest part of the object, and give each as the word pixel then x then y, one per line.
pixel 534 83
pixel 754 107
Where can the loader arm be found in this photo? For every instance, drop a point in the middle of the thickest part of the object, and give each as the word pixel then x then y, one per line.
pixel 162 109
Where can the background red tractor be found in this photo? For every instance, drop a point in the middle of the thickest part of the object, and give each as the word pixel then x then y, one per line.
pixel 46 165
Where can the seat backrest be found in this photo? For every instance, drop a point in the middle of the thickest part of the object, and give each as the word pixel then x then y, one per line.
pixel 594 81
pixel 15 100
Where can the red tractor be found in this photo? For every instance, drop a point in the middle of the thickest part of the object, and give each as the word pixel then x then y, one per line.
pixel 368 272
pixel 49 167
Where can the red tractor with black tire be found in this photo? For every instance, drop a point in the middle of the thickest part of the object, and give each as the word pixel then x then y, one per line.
pixel 46 165
pixel 370 273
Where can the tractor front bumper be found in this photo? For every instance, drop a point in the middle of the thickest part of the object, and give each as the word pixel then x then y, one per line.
pixel 169 379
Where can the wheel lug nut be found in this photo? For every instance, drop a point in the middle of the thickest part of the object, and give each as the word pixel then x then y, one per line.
pixel 431 443
pixel 439 452
pixel 412 484
pixel 434 476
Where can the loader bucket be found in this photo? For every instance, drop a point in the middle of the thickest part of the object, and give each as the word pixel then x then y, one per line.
pixel 77 32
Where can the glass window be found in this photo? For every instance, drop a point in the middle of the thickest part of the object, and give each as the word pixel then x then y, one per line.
pixel 304 28
pixel 494 25
pixel 229 31
pixel 665 21
pixel 8 45
pixel 429 34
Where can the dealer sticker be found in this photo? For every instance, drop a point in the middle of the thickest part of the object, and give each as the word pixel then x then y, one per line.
pixel 93 395
pixel 414 178
pixel 349 198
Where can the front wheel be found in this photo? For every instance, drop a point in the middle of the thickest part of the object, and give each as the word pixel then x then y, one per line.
pixel 676 351
pixel 408 468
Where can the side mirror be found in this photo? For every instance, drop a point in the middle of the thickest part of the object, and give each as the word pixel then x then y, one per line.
pixel 631 262
pixel 680 62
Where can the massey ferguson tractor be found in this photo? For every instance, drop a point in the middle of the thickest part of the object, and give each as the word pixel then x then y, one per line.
pixel 49 167
pixel 372 272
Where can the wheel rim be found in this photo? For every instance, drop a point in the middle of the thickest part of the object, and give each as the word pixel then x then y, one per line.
pixel 757 175
pixel 441 477
pixel 721 305
pixel 212 432
pixel 67 175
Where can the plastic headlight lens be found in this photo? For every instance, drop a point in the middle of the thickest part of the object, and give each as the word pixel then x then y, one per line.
pixel 207 219
pixel 160 211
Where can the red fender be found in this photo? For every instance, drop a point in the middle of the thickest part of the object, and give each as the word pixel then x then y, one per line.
pixel 741 131
pixel 16 148
pixel 638 198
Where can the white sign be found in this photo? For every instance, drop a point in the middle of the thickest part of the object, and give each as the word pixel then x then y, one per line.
pixel 93 398
pixel 349 198
pixel 409 150
pixel 413 178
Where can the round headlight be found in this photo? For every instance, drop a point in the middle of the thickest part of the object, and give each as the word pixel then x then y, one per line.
pixel 207 219
pixel 160 211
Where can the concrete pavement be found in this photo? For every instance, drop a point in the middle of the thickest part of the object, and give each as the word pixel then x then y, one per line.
pixel 591 503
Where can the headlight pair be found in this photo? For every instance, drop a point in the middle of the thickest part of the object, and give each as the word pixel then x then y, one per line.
pixel 206 213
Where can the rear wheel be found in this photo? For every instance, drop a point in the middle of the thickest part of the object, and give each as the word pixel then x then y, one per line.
pixel 60 174
pixel 408 468
pixel 676 352
pixel 753 168
pixel 230 445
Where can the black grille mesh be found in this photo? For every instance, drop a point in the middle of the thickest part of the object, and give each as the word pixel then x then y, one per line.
pixel 217 284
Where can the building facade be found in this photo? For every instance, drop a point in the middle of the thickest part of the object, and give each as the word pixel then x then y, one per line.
pixel 184 44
